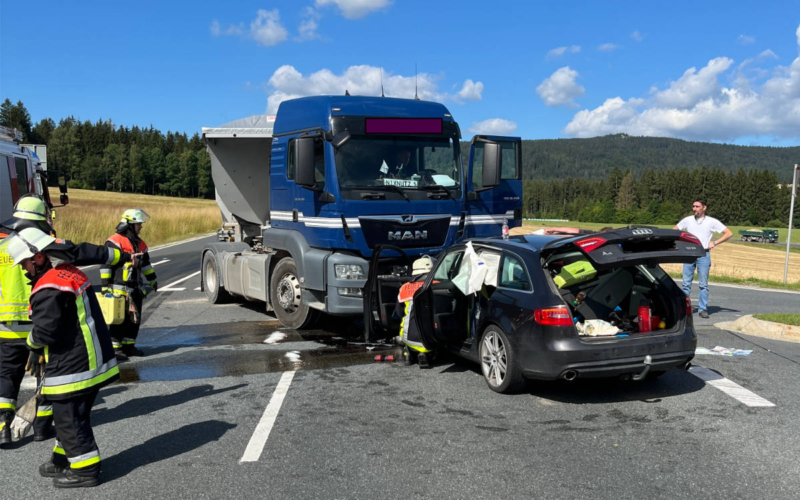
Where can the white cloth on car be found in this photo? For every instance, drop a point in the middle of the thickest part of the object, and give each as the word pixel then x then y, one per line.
pixel 471 272
pixel 596 328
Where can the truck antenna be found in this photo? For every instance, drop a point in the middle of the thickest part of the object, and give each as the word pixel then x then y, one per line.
pixel 416 95
pixel 382 82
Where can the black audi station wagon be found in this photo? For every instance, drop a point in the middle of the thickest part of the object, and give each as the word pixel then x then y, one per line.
pixel 535 318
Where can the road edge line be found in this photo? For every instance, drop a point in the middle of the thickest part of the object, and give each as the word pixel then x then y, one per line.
pixel 260 435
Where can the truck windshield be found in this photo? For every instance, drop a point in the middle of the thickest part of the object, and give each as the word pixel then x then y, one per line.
pixel 401 161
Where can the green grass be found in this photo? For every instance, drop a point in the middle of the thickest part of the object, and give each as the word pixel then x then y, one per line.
pixel 734 229
pixel 785 318
pixel 747 281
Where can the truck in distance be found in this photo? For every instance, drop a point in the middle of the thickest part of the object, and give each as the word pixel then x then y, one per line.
pixel 759 235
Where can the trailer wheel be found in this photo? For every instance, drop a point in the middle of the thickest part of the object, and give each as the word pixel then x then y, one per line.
pixel 287 300
pixel 212 279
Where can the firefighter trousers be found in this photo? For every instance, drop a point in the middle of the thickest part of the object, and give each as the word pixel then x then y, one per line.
pixel 13 358
pixel 75 445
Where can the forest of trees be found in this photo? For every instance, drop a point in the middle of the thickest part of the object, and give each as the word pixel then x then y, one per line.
pixel 613 179
pixel 103 156
pixel 743 197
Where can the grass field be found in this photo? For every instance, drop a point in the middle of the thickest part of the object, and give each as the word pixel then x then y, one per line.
pixel 92 216
pixel 785 318
pixel 729 262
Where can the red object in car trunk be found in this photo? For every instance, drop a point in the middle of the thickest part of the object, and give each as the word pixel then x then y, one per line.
pixel 644 319
pixel 553 316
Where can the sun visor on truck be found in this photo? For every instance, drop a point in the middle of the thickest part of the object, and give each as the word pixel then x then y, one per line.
pixel 630 247
pixel 240 160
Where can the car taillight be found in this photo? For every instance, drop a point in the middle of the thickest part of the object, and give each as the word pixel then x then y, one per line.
pixel 688 306
pixel 553 316
pixel 589 244
pixel 690 238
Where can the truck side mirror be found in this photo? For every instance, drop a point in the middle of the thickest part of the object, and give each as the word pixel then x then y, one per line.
pixel 492 164
pixel 304 174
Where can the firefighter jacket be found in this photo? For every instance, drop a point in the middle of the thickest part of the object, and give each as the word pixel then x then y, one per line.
pixel 405 309
pixel 68 324
pixel 122 278
pixel 15 291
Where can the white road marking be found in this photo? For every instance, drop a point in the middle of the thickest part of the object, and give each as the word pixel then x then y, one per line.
pixel 742 287
pixel 169 288
pixel 197 289
pixel 28 383
pixel 729 387
pixel 159 262
pixel 259 438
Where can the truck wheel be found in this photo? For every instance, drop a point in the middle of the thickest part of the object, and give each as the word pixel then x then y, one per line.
pixel 287 300
pixel 499 362
pixel 212 279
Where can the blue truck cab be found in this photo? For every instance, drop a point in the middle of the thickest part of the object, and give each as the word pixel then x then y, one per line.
pixel 308 195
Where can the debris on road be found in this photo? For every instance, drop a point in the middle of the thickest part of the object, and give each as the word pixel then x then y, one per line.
pixel 722 351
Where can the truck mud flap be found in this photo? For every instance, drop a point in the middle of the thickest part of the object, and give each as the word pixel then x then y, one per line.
pixel 372 326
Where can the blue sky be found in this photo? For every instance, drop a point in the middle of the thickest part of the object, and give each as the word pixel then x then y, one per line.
pixel 534 69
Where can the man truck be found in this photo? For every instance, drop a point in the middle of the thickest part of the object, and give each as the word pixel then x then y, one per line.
pixel 308 195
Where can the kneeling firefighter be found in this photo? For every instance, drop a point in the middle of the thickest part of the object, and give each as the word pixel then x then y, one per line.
pixel 414 347
pixel 30 211
pixel 69 333
pixel 133 282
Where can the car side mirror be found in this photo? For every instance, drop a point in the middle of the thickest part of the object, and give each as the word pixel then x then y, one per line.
pixel 492 164
pixel 62 184
pixel 304 162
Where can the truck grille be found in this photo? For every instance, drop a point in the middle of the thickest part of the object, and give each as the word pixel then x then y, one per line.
pixel 407 231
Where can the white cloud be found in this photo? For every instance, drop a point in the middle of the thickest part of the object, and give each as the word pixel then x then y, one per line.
pixel 637 37
pixel 746 40
pixel 216 29
pixel 767 54
pixel 493 126
pixel 354 9
pixel 697 107
pixel 560 88
pixel 608 47
pixel 288 83
pixel 560 51
pixel 308 27
pixel 470 91
pixel 266 28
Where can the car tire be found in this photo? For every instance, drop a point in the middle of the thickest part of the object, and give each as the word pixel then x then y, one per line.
pixel 286 297
pixel 495 353
pixel 212 280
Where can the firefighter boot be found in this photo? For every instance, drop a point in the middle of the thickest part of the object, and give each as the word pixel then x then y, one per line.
pixel 6 417
pixel 49 469
pixel 72 479
pixel 423 360
pixel 129 348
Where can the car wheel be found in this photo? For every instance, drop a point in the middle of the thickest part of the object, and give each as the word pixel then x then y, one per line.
pixel 286 294
pixel 212 283
pixel 499 363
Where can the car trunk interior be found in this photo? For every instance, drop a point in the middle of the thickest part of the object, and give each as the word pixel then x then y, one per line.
pixel 615 295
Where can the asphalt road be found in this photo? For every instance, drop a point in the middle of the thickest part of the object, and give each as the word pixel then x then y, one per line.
pixel 204 397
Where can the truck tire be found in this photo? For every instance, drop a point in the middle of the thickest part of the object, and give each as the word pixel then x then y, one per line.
pixel 286 295
pixel 212 280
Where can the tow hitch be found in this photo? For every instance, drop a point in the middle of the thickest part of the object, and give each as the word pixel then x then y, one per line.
pixel 647 362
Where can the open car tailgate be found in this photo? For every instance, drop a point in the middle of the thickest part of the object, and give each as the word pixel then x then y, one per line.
pixel 631 246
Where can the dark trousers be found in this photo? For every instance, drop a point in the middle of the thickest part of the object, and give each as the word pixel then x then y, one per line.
pixel 75 445
pixel 13 358
pixel 126 332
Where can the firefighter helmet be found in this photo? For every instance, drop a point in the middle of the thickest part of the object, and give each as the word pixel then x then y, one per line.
pixel 135 216
pixel 25 244
pixel 29 211
pixel 423 265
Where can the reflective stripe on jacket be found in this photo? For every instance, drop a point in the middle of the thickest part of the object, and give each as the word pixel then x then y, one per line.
pixel 408 327
pixel 68 323
pixel 121 274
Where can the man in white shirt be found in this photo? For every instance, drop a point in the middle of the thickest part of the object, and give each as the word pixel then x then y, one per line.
pixel 703 227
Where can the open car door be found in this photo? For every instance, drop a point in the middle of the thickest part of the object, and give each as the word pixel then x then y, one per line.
pixel 630 246
pixel 440 310
pixel 494 185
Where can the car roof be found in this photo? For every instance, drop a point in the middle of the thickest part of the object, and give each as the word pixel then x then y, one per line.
pixel 529 242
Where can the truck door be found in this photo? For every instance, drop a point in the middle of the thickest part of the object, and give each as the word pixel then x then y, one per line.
pixel 490 198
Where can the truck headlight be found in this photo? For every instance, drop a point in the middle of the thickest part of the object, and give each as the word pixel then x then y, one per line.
pixel 351 292
pixel 349 272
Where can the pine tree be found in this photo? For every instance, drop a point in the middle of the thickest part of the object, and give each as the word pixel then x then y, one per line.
pixel 626 195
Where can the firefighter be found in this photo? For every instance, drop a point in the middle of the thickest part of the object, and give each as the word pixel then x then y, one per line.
pixel 70 337
pixel 15 324
pixel 414 347
pixel 130 281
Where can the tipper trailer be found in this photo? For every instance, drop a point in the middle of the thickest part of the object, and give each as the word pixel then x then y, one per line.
pixel 307 196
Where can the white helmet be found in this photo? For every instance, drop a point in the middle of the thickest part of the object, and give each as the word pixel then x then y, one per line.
pixel 422 265
pixel 25 244
pixel 135 216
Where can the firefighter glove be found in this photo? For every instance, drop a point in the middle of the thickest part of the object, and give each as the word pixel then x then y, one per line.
pixel 35 365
